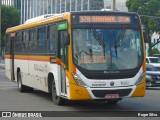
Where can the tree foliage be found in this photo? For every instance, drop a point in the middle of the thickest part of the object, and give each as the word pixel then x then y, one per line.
pixel 146 7
pixel 10 17
pixel 155 51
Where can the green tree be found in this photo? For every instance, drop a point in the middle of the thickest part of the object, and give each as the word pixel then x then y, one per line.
pixel 155 51
pixel 9 17
pixel 147 8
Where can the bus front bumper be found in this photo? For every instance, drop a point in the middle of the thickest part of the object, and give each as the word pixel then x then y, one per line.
pixel 88 93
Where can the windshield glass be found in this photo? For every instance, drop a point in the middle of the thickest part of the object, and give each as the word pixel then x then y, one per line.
pixel 154 60
pixel 107 49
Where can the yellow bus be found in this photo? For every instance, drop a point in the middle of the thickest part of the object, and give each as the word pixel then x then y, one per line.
pixel 93 55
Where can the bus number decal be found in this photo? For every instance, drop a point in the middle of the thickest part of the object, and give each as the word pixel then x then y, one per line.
pixel 104 19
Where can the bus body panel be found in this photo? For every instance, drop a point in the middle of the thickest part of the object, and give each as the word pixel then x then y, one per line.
pixel 106 82
pixel 140 90
pixel 79 93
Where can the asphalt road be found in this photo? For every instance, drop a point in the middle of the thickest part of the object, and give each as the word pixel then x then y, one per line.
pixel 12 100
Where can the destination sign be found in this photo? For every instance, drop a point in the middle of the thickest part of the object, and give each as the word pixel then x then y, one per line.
pixel 104 19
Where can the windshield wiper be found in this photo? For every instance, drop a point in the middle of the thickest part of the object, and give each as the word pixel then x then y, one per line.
pixel 98 39
pixel 120 37
pixel 90 54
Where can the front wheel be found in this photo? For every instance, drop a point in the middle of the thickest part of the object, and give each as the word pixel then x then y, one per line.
pixel 56 99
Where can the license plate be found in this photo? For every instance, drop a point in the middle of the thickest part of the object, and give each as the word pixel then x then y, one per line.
pixel 112 96
pixel 157 81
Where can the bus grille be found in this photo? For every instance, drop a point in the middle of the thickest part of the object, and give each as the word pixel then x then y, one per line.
pixel 102 93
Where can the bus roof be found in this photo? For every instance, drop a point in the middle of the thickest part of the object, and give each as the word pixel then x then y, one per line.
pixel 37 22
pixel 58 17
pixel 99 11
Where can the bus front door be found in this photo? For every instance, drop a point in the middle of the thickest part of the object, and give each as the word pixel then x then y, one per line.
pixel 63 54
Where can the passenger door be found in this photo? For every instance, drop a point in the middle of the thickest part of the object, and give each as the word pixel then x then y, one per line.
pixel 63 54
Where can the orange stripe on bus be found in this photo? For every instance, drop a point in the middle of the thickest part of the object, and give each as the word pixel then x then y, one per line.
pixel 21 57
pixel 32 58
pixel 144 67
pixel 39 58
pixel 58 61
pixel 7 56
pixel 74 69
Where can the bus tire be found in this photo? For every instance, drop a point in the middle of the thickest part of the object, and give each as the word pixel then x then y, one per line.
pixel 56 99
pixel 21 87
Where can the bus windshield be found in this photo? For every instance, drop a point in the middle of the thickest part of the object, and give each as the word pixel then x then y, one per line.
pixel 107 49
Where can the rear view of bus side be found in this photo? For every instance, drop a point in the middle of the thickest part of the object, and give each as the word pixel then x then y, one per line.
pixel 78 56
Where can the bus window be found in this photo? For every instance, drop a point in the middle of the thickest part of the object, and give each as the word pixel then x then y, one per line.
pixel 33 40
pixel 41 43
pixel 51 36
pixel 24 41
pixel 18 42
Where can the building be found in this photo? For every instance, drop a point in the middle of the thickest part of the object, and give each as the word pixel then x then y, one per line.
pixel 7 2
pixel 33 8
pixel 13 3
pixel 120 5
pixel 154 39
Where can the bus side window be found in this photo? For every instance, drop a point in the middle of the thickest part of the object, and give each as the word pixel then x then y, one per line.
pixel 33 40
pixel 18 42
pixel 25 41
pixel 41 41
pixel 51 36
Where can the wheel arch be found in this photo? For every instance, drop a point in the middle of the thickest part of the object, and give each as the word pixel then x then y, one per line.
pixel 50 79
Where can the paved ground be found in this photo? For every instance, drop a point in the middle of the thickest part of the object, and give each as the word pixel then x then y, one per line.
pixel 2 63
pixel 12 100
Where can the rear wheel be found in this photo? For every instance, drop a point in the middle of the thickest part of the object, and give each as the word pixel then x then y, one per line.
pixel 21 87
pixel 56 99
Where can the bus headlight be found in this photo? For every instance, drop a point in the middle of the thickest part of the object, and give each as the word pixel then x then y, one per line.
pixel 140 79
pixel 78 80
